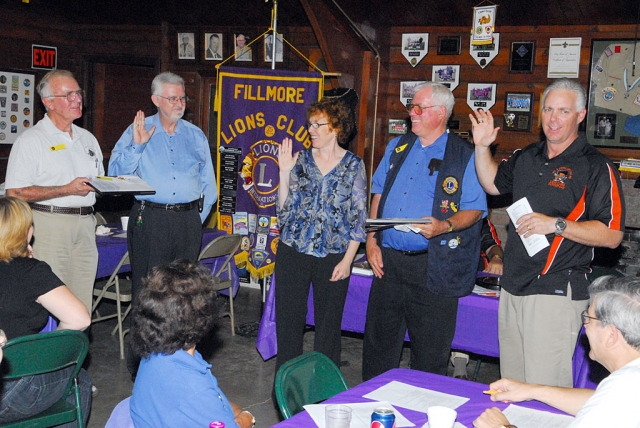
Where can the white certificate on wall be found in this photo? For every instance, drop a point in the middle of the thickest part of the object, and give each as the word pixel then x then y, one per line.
pixel 564 57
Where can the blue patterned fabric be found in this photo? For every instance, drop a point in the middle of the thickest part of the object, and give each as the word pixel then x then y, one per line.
pixel 322 214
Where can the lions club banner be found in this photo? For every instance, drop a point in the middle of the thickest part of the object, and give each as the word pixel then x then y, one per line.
pixel 257 109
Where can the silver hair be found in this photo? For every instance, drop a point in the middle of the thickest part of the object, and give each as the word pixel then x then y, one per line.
pixel 166 78
pixel 440 95
pixel 44 87
pixel 617 302
pixel 569 85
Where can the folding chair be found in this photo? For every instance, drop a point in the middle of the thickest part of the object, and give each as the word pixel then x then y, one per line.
pixel 44 353
pixel 308 379
pixel 119 290
pixel 223 246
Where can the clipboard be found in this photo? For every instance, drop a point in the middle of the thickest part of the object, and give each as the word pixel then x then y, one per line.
pixel 122 184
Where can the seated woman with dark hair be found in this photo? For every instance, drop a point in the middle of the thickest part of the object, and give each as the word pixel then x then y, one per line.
pixel 175 386
pixel 29 292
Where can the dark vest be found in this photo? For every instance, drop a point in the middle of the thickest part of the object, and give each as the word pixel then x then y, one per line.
pixel 452 257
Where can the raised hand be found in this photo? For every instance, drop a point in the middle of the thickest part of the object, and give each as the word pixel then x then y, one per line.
pixel 140 133
pixel 484 134
pixel 287 160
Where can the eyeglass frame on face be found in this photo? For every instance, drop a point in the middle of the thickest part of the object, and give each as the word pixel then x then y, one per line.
pixel 71 96
pixel 316 125
pixel 586 318
pixel 410 108
pixel 174 100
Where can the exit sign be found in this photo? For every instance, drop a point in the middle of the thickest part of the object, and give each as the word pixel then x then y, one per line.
pixel 44 57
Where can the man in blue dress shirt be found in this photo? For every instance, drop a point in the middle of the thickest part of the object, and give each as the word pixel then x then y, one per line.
pixel 173 156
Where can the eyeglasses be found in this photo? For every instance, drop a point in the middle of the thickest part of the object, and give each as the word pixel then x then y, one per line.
pixel 174 100
pixel 70 96
pixel 418 108
pixel 315 125
pixel 586 318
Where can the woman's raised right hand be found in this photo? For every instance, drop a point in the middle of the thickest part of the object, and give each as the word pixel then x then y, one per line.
pixel 286 159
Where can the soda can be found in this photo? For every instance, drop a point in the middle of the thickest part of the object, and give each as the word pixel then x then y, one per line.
pixel 383 417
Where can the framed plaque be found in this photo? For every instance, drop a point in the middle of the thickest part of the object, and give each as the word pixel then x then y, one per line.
pixel 518 110
pixel 613 110
pixel 449 45
pixel 523 55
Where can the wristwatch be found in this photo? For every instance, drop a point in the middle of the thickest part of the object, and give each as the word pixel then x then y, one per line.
pixel 253 418
pixel 561 225
pixel 450 228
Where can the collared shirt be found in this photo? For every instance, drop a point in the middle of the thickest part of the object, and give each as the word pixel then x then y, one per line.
pixel 177 166
pixel 579 184
pixel 412 193
pixel 47 156
pixel 178 390
pixel 322 214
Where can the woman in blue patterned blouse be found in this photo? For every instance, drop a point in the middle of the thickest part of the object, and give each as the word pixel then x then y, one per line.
pixel 321 210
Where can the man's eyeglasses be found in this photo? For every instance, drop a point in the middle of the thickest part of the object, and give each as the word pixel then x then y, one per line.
pixel 315 125
pixel 586 318
pixel 418 108
pixel 173 100
pixel 70 96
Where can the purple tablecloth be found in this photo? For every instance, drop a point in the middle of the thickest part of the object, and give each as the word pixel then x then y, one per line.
pixel 476 328
pixel 467 413
pixel 111 249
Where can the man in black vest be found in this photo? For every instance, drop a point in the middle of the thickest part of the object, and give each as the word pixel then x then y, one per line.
pixel 420 275
pixel 576 197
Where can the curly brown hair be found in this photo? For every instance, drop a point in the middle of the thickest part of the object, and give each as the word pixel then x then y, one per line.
pixel 175 309
pixel 338 116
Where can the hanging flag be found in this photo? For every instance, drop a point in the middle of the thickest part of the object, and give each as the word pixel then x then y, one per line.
pixel 484 24
pixel 257 109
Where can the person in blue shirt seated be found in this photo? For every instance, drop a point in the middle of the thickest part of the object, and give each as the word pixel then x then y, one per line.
pixel 175 386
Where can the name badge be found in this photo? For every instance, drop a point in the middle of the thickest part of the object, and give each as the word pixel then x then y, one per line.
pixel 58 147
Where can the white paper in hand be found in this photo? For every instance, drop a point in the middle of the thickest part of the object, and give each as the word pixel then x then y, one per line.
pixel 534 243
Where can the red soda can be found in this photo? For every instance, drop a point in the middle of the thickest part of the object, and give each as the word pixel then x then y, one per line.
pixel 383 417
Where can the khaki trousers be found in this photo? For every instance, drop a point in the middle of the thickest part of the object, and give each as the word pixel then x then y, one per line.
pixel 68 244
pixel 538 335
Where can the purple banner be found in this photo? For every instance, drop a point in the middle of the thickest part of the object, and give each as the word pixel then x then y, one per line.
pixel 257 109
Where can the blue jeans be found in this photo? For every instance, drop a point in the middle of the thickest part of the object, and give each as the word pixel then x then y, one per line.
pixel 31 395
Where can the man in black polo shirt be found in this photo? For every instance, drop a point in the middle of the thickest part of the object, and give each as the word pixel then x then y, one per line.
pixel 575 194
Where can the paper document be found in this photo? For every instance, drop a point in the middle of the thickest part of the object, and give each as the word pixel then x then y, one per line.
pixel 122 184
pixel 533 243
pixel 373 224
pixel 529 418
pixel 360 414
pixel 412 397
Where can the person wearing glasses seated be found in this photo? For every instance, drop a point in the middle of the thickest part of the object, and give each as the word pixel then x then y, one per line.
pixel 322 209
pixel 174 311
pixel 29 292
pixel 612 325
pixel 173 156
pixel 48 167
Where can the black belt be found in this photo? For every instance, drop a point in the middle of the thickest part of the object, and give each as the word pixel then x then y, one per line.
pixel 62 210
pixel 413 253
pixel 171 207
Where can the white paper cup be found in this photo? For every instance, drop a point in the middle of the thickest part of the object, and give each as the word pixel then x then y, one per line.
pixel 441 417
pixel 125 222
pixel 337 416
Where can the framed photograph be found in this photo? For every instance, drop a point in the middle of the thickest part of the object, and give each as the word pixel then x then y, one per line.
pixel 186 46
pixel 523 55
pixel 242 51
pixel 448 75
pixel 268 47
pixel 449 45
pixel 481 95
pixel 398 126
pixel 415 46
pixel 213 43
pixel 613 111
pixel 407 89
pixel 518 111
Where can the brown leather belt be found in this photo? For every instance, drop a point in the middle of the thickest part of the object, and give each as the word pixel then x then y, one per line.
pixel 171 207
pixel 62 210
